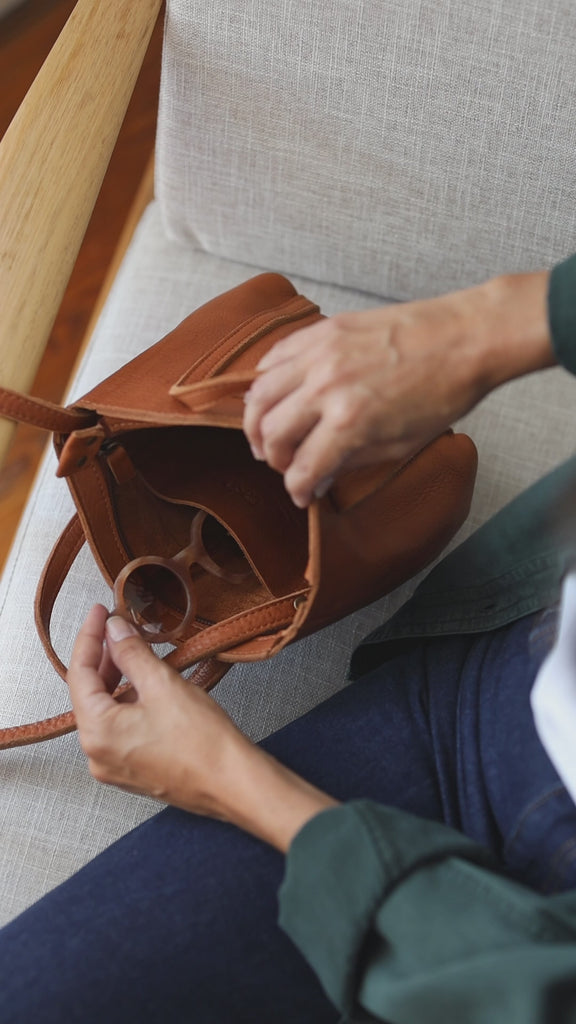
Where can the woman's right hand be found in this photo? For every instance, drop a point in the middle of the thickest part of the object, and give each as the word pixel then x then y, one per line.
pixel 379 384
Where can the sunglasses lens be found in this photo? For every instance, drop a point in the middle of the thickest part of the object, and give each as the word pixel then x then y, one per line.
pixel 156 599
pixel 221 547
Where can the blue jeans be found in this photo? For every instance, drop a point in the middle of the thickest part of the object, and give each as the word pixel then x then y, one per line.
pixel 177 921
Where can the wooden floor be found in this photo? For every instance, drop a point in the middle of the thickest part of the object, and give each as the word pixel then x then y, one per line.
pixel 26 36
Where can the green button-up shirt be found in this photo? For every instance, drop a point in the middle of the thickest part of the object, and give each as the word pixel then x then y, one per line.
pixel 405 920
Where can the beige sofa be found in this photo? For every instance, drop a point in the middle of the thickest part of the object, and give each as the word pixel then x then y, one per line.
pixel 373 151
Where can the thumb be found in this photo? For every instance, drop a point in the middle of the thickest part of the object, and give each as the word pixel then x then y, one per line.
pixel 132 655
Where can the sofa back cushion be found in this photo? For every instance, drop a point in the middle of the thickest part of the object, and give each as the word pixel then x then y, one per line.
pixel 403 147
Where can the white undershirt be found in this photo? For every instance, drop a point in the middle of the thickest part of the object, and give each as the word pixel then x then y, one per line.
pixel 553 696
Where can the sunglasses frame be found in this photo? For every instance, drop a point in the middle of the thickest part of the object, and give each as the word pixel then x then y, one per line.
pixel 179 565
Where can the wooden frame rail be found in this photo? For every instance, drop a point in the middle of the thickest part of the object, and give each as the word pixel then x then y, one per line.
pixel 52 161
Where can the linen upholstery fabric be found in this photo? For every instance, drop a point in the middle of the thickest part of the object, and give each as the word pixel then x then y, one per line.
pixel 53 816
pixel 400 148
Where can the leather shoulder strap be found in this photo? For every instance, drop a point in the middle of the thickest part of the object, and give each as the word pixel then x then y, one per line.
pixel 39 413
pixel 203 648
pixel 58 565
pixel 205 676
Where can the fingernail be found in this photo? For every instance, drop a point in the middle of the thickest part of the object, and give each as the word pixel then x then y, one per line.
pixel 119 629
pixel 257 453
pixel 299 501
pixel 323 486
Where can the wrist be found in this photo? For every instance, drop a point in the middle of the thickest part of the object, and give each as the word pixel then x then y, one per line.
pixel 270 801
pixel 515 334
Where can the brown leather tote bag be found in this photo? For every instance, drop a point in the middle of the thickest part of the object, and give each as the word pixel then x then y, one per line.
pixel 158 448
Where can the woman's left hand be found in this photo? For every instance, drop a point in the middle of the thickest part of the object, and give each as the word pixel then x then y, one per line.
pixel 170 740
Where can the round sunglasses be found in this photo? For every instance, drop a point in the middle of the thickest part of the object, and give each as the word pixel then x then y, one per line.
pixel 157 594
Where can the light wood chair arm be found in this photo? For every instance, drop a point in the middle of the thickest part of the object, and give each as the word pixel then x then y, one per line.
pixel 52 161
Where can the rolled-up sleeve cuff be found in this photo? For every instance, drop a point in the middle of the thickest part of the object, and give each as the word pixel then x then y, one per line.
pixel 562 312
pixel 339 870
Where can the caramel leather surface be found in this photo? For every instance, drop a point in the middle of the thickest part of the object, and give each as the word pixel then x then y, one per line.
pixel 162 438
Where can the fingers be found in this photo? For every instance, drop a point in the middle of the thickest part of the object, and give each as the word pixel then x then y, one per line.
pixel 282 371
pixel 266 392
pixel 134 659
pixel 284 428
pixel 315 464
pixel 282 422
pixel 108 671
pixel 95 670
pixel 89 646
pixel 88 688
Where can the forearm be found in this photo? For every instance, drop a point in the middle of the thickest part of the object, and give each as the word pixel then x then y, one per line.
pixel 268 800
pixel 511 332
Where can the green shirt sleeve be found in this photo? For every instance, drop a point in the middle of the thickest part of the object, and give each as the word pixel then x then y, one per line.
pixel 562 312
pixel 407 921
